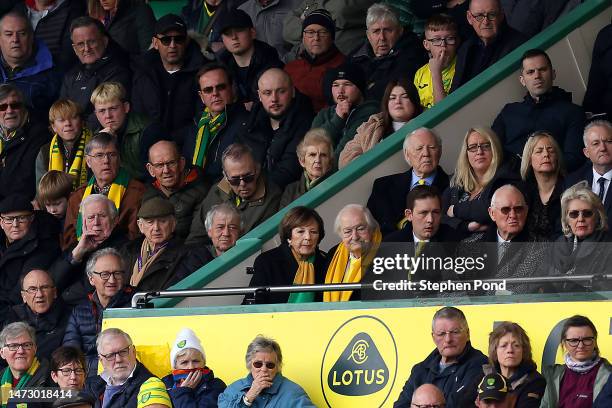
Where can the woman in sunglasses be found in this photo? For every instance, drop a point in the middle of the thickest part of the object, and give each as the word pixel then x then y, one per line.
pixel 576 383
pixel 264 386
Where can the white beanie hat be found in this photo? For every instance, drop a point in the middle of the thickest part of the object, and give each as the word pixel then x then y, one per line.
pixel 185 339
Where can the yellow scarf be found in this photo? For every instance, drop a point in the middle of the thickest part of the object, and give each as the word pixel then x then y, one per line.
pixel 78 169
pixel 338 272
pixel 7 380
pixel 305 274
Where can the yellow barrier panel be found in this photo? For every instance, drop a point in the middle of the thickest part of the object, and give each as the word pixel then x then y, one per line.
pixel 350 358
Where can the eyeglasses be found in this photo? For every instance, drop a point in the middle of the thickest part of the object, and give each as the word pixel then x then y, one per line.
pixel 452 333
pixel 269 364
pixel 473 148
pixel 121 353
pixel 489 16
pixel 519 209
pixel 101 156
pixel 427 405
pixel 313 33
pixel 167 39
pixel 439 41
pixel 20 219
pixel 360 229
pixel 89 43
pixel 67 371
pixel 171 164
pixel 12 105
pixel 235 181
pixel 586 341
pixel 577 213
pixel 207 90
pixel 106 275
pixel 15 346
pixel 32 290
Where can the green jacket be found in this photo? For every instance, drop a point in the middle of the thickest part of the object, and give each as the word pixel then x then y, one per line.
pixel 341 131
pixel 130 145
pixel 554 374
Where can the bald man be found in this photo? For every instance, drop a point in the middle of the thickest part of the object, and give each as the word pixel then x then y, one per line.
pixel 428 395
pixel 278 123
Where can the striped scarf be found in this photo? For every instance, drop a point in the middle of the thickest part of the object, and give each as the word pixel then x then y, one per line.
pixel 115 194
pixel 208 127
pixel 78 169
pixel 6 382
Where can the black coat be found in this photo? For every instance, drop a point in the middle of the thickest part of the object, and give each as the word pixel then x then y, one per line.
pixel 387 201
pixel 277 267
pixel 598 96
pixel 544 221
pixel 127 396
pixel 585 173
pixel 41 378
pixel 276 150
pixel 132 26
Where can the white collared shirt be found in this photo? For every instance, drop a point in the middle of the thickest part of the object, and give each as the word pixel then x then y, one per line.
pixel 500 240
pixel 109 380
pixel 595 185
pixel 417 239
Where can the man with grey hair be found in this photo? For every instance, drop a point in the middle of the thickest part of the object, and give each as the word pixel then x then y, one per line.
pixel 109 179
pixel 124 379
pixel 452 366
pixel 224 227
pixel 106 273
pixel 422 152
pixel 389 52
pixel 243 186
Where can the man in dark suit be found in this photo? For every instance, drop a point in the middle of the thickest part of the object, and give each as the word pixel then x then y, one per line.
pixel 422 151
pixel 597 173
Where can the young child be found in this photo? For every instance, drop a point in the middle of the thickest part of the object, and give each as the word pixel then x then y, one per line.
pixel 434 79
pixel 54 189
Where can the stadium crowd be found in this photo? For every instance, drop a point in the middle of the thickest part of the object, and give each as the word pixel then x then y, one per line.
pixel 134 151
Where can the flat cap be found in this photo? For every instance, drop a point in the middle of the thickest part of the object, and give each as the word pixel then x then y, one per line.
pixel 156 207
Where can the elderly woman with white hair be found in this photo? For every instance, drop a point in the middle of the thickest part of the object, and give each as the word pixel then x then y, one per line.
pixel 265 385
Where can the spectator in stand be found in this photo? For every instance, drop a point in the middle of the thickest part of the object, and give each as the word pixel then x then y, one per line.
pixel 493 391
pixel 457 9
pixel 66 151
pixel 165 86
pixel 191 383
pixel 543 171
pixel 51 22
pixel 243 186
pixel 110 180
pixel 316 155
pixel 598 95
pixel 222 120
pixel 350 109
pixel 28 64
pixel 245 57
pixel 491 40
pixel 387 202
pixel 265 382
pixel 400 104
pixel 106 272
pixel 28 241
pixel 582 361
pixel 361 238
pixel 277 125
pixel 545 107
pixel 478 173
pixel 203 17
pixel 452 366
pixel 128 22
pixel 41 309
pixel 224 227
pixel 124 380
pixel 21 137
pixel 54 191
pixel 183 186
pixel 530 18
pixel 100 60
pixel 388 53
pixel 68 368
pixel 434 79
pixel 319 53
pixel 428 395
pixel 301 230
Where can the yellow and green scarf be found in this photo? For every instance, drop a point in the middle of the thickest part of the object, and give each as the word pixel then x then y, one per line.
pixel 115 194
pixel 78 168
pixel 6 382
pixel 339 273
pixel 305 275
pixel 208 126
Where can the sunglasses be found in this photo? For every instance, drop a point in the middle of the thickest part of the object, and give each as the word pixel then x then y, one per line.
pixel 167 39
pixel 259 364
pixel 207 90
pixel 12 105
pixel 576 213
pixel 235 181
pixel 519 209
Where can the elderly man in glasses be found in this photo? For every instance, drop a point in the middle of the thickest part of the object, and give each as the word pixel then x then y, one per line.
pixel 124 379
pixel 244 187
pixel 453 366
pixel 106 273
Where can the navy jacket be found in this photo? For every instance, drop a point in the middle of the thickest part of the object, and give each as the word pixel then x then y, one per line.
pixel 451 381
pixel 598 96
pixel 127 396
pixel 205 396
pixel 604 399
pixel 554 113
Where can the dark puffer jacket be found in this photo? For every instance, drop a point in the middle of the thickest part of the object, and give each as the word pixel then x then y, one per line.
pixel 126 397
pixel 204 396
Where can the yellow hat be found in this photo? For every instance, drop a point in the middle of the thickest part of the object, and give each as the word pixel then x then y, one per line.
pixel 153 391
